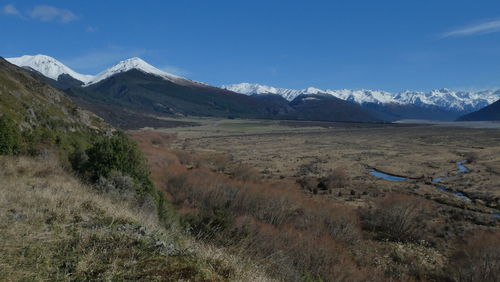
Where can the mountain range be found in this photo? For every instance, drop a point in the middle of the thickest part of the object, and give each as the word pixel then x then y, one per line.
pixel 454 102
pixel 133 94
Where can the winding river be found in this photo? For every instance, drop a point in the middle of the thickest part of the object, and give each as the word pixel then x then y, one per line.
pixel 461 169
pixel 386 176
pixel 460 166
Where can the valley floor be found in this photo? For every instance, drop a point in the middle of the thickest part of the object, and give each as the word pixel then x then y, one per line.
pixel 421 152
pixel 329 164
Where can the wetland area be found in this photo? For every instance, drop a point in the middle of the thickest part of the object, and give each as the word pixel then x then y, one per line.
pixel 402 198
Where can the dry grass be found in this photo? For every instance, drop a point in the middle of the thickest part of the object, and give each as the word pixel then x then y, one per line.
pixel 52 227
pixel 407 235
pixel 422 151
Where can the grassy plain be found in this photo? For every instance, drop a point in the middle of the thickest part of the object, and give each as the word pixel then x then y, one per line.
pixel 422 152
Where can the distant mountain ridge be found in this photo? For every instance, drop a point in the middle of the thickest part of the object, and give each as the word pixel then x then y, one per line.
pixel 446 99
pixel 488 113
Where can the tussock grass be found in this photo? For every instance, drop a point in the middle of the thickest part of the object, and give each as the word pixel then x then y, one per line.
pixel 53 227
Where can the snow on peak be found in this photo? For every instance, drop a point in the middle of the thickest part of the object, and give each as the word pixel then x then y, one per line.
pixel 48 66
pixel 255 89
pixel 443 98
pixel 129 64
pixel 52 68
pixel 313 90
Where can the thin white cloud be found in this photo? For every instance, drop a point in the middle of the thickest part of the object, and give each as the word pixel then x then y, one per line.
pixel 49 13
pixel 481 28
pixel 91 29
pixel 10 9
pixel 175 70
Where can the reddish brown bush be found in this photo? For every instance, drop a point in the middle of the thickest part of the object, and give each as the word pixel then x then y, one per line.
pixel 395 218
pixel 471 157
pixel 309 183
pixel 478 259
pixel 184 157
pixel 296 236
pixel 218 162
pixel 338 178
pixel 246 173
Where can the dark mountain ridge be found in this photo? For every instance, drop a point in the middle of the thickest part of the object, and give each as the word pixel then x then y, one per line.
pixel 491 112
pixel 121 96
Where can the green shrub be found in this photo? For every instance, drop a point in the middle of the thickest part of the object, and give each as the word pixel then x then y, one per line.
pixel 116 153
pixel 9 137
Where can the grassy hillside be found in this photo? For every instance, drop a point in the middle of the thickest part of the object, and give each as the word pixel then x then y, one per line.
pixel 31 102
pixel 44 115
pixel 77 202
pixel 53 227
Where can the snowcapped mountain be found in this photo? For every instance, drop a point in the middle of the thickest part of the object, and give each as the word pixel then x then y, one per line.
pixel 461 101
pixel 48 67
pixel 53 69
pixel 443 99
pixel 133 63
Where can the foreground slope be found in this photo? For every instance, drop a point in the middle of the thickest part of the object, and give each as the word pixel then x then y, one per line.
pixel 110 225
pixel 491 112
pixel 53 227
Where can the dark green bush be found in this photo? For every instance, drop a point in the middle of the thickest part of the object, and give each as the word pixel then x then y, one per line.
pixel 115 153
pixel 9 137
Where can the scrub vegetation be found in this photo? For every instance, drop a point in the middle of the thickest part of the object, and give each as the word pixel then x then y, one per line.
pixel 310 223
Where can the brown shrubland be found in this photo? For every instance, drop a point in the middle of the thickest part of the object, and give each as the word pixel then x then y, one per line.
pixel 298 236
pixel 395 218
pixel 478 258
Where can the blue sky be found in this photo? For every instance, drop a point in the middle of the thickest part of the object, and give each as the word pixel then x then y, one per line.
pixel 389 45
